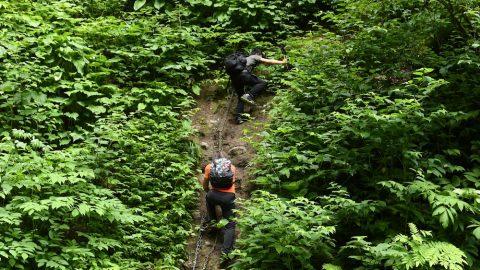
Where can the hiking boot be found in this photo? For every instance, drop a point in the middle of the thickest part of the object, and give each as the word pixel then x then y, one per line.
pixel 225 264
pixel 240 120
pixel 248 99
pixel 207 226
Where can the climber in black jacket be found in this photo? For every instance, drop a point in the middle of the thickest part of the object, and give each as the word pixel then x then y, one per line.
pixel 246 85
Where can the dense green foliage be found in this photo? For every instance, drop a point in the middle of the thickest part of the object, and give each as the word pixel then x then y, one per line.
pixel 407 252
pixel 270 17
pixel 293 234
pixel 373 134
pixel 378 124
pixel 97 165
pixel 97 159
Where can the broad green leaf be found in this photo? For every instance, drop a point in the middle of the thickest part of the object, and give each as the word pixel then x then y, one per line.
pixel 79 65
pixel 158 4
pixel 476 233
pixel 328 266
pixel 222 223
pixel 139 4
pixel 3 51
pixel 444 220
pixel 292 186
pixel 97 109
pixel 6 188
pixel 57 76
pixel 83 209
pixel 196 89
pixel 286 172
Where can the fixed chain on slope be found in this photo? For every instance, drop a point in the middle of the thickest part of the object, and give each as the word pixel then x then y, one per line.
pixel 217 148
pixel 219 128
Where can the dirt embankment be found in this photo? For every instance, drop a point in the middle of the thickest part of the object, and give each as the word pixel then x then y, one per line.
pixel 212 105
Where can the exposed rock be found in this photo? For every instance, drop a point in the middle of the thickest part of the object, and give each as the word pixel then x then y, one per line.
pixel 196 214
pixel 237 150
pixel 204 145
pixel 200 132
pixel 187 265
pixel 240 161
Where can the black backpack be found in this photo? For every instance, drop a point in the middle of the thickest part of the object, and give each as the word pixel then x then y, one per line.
pixel 235 63
pixel 221 173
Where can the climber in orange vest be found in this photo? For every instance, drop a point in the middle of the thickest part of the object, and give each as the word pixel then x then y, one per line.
pixel 220 175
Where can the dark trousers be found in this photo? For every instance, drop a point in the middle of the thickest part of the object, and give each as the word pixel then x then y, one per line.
pixel 246 80
pixel 226 201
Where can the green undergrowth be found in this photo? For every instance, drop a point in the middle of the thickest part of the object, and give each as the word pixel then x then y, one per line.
pixel 377 126
pixel 97 164
pixel 370 160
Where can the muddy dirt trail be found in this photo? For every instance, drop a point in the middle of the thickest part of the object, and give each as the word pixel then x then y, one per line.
pixel 212 112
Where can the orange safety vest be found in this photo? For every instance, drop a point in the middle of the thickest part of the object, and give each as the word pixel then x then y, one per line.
pixel 207 177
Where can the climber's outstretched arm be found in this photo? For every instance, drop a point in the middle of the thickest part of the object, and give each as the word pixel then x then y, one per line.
pixel 267 61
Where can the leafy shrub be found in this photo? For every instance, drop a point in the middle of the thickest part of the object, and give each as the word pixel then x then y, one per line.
pixel 377 122
pixel 409 252
pixel 272 18
pixel 97 163
pixel 377 127
pixel 53 213
pixel 283 233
